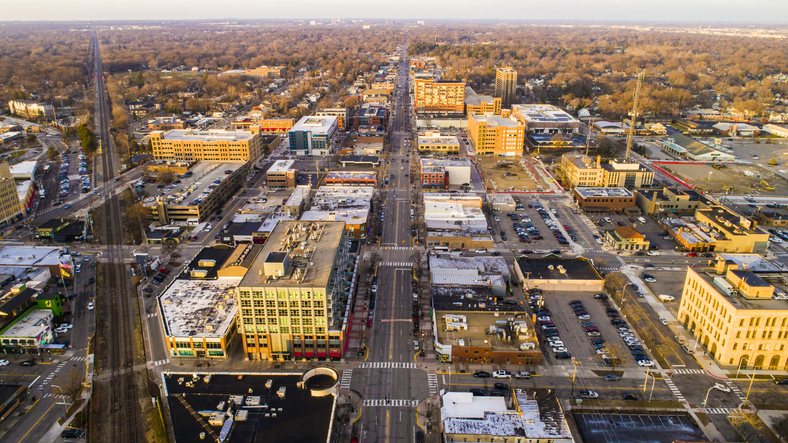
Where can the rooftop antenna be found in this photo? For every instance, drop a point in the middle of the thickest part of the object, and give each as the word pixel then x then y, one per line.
pixel 634 114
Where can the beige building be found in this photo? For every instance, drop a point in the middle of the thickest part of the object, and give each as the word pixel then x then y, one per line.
pixel 31 109
pixel 581 171
pixel 494 135
pixel 672 200
pixel 481 104
pixel 267 71
pixel 292 302
pixel 10 204
pixel 505 84
pixel 439 97
pixel 545 119
pixel 735 318
pixel 433 143
pixel 210 145
pixel 342 115
pixel 626 238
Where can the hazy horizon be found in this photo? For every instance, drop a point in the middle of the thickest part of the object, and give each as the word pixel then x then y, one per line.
pixel 666 11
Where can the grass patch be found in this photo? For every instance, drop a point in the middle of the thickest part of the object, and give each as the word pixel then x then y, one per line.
pixel 100 341
pixel 154 426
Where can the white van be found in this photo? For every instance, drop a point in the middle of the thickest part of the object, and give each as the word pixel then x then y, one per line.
pixel 666 297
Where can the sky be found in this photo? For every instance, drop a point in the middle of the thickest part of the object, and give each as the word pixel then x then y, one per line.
pixel 736 11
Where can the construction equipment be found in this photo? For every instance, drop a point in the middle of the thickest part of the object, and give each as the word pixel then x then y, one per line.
pixel 765 185
pixel 633 116
pixel 728 189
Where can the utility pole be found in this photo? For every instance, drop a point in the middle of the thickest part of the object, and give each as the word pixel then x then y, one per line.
pixel 645 383
pixel 574 373
pixel 634 114
pixel 752 379
pixel 588 136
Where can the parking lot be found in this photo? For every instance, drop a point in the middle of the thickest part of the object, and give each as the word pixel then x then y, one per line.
pixel 531 215
pixel 667 282
pixel 650 228
pixel 572 334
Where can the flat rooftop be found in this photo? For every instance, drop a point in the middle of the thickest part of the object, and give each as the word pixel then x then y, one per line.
pixel 751 262
pixel 199 308
pixel 477 100
pixel 191 191
pixel 311 246
pixel 480 299
pixel 297 418
pixel 540 268
pixel 351 175
pixel 207 135
pixel 536 414
pixel 34 323
pixel 495 120
pixel 280 166
pixel 737 302
pixel 516 325
pixel 536 113
pixel 482 264
pixel 447 162
pixel 29 256
pixel 603 192
pixel 25 168
pixel 721 215
pixel 316 124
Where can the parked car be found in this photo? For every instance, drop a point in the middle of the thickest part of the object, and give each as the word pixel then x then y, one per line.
pixel 502 374
pixel 628 396
pixel 611 377
pixel 481 374
pixel 588 394
pixel 477 392
pixel 526 375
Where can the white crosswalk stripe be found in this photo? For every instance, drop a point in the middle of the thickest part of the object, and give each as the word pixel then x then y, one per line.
pixel 674 389
pixel 159 362
pixel 609 269
pixel 153 315
pixel 398 248
pixel 735 390
pixel 79 358
pixel 688 371
pixel 344 382
pixel 59 397
pixel 397 264
pixel 391 403
pixel 387 365
pixel 432 381
pixel 718 410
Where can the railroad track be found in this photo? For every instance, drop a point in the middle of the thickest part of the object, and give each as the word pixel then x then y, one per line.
pixel 118 305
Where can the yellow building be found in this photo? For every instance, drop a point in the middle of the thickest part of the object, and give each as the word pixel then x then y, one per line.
pixel 731 231
pixel 482 105
pixel 10 204
pixel 440 97
pixel 432 142
pixel 272 125
pixel 494 135
pixel 292 300
pixel 505 84
pixel 211 145
pixel 735 318
pixel 580 170
pixel 267 71
pixel 626 239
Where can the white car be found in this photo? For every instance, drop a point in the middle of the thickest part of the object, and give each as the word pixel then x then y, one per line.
pixel 776 240
pixel 66 325
pixel 652 253
pixel 584 317
pixel 645 363
pixel 588 394
pixel 599 240
pixel 502 374
pixel 3 362
pixel 650 280
pixel 544 317
pixel 90 306
pixel 559 349
pixel 722 388
pixel 208 227
pixel 625 334
pixel 61 330
pixel 666 297
pixel 663 321
pixel 557 343
pixel 415 345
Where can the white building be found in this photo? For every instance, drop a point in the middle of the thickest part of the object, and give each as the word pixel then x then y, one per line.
pixel 545 119
pixel 777 130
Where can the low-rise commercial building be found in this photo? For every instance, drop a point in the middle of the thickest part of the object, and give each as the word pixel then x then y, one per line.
pixel 673 200
pixel 545 119
pixel 272 125
pixel 776 130
pixel 495 135
pixel 165 235
pixel 536 416
pixel 625 238
pixel 267 71
pixel 351 178
pixel 31 109
pixel 558 274
pixel 442 173
pixel 716 228
pixel 733 314
pixel 198 309
pixel 61 230
pixel 433 143
pixel 375 95
pixel 439 97
pixel 166 123
pixel 198 196
pixel 462 239
pixel 442 213
pixel 481 104
pixel 313 135
pixel 604 199
pixel 371 118
pixel 771 217
pixel 281 174
pixel 293 304
pixel 208 145
pixel 688 148
pixel 27 193
pixel 10 206
pixel 29 332
pixel 25 170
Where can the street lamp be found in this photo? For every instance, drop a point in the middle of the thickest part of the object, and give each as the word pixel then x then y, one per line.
pixel 61 394
pixel 744 360
pixel 707 396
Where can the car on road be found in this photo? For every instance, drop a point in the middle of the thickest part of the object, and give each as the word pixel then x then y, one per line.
pixel 692 254
pixel 477 392
pixel 92 280
pixel 72 434
pixel 501 386
pixel 781 382
pixel 68 206
pixel 90 306
pixel 563 355
pixel 663 320
pixel 28 363
pixel 588 394
pixel 611 377
pixel 481 374
pixel 502 374
pixel 722 388
pixel 415 345
pixel 526 375
pixel 3 362
pixel 628 396
pixel 558 349
pixel 645 362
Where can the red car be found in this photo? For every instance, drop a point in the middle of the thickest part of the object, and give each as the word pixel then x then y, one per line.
pixel 692 254
pixel 164 270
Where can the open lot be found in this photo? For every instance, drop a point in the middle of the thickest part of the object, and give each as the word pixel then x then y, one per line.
pixel 507 175
pixel 650 229
pixel 744 178
pixel 572 334
pixel 548 242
